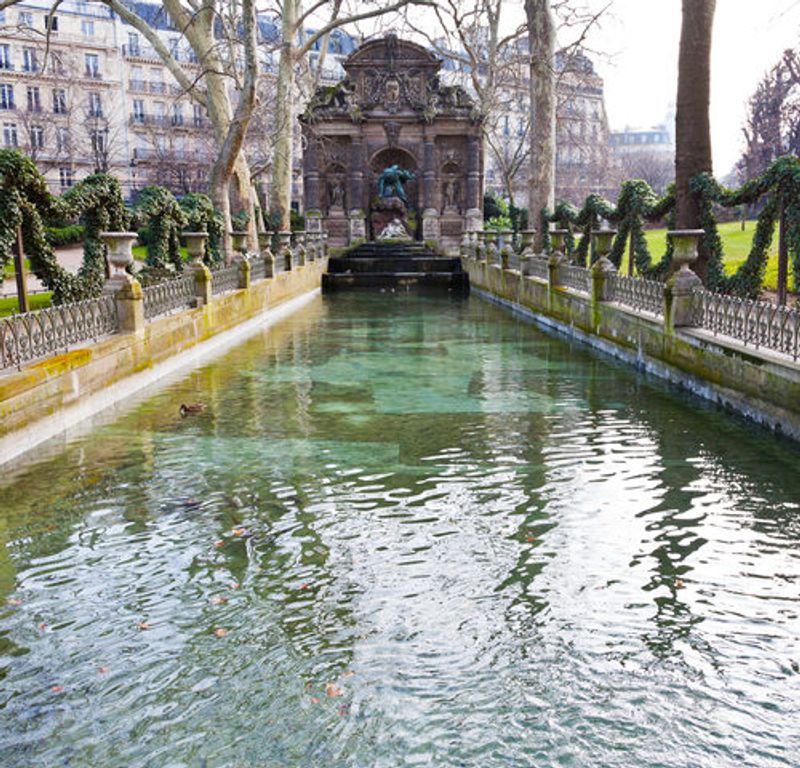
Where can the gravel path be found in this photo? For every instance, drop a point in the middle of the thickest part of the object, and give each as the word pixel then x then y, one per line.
pixel 69 257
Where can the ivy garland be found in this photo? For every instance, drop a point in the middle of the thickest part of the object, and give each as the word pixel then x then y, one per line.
pixel 636 205
pixel 202 217
pixel 25 198
pixel 158 208
pixel 780 182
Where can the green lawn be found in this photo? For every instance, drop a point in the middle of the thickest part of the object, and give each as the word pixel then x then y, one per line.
pixel 735 246
pixel 36 301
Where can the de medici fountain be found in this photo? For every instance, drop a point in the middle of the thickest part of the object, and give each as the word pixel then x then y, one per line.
pixel 391 153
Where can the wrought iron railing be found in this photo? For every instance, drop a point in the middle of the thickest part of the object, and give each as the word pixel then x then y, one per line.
pixel 225 279
pixel 577 278
pixel 54 330
pixel 538 266
pixel 636 293
pixel 168 296
pixel 754 323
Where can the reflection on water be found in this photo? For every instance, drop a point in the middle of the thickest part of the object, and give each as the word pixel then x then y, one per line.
pixel 404 531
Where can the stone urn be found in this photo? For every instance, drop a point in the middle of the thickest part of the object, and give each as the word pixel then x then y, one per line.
pixel 603 240
pixel 684 246
pixel 120 257
pixel 239 241
pixel 264 240
pixel 558 240
pixel 195 246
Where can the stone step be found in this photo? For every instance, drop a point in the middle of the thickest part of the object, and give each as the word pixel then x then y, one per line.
pixel 384 264
pixel 395 266
pixel 456 282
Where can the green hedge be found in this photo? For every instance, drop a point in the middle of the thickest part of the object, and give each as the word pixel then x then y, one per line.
pixel 72 234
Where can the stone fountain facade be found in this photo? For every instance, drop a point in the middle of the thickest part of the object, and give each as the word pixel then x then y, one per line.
pixel 392 109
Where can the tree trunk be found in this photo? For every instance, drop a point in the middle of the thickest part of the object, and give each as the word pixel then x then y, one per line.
pixel 541 188
pixel 692 129
pixel 281 187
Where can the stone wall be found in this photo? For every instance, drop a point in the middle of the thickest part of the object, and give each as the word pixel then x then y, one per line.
pixel 759 384
pixel 45 397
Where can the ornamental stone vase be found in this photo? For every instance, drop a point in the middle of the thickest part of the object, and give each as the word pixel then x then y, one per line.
pixel 239 241
pixel 603 240
pixel 120 257
pixel 558 240
pixel 679 293
pixel 195 246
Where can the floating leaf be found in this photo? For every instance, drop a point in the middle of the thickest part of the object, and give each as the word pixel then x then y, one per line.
pixel 235 585
pixel 220 632
pixel 219 600
pixel 42 626
pixel 314 700
pixel 239 531
pixel 305 586
pixel 144 625
pixel 14 601
pixel 332 690
pixel 219 543
pixel 679 584
pixel 57 689
pixel 348 673
pixel 102 670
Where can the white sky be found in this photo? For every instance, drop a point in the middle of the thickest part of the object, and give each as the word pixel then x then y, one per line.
pixel 638 42
pixel 641 75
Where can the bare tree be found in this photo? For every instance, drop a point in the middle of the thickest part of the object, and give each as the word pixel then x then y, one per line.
pixel 656 168
pixel 542 41
pixel 772 125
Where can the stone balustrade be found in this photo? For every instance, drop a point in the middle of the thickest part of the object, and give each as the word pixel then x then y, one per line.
pixel 681 302
pixel 126 306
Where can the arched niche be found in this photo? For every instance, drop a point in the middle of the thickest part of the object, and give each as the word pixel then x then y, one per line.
pixel 403 158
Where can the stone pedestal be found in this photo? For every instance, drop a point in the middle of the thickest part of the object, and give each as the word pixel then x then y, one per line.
pixel 130 307
pixel 430 225
pixel 285 250
pixel 202 283
pixel 358 226
pixel 679 293
pixel 473 219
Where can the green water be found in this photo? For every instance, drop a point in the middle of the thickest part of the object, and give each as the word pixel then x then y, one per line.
pixel 494 548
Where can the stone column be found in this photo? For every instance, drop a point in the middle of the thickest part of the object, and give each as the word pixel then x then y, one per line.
pixel 356 174
pixel 473 202
pixel 429 175
pixel 310 175
pixel 679 293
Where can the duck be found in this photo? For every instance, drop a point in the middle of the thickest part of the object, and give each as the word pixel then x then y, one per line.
pixel 185 410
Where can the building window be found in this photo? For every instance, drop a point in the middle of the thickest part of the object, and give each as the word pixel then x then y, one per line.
pixel 177 114
pixel 65 177
pixel 87 27
pixel 29 61
pixel 138 111
pixel 95 105
pixel 99 141
pixel 197 115
pixel 62 139
pixel 133 44
pixel 59 101
pixel 25 19
pixel 37 137
pixel 51 23
pixel 10 134
pixel 34 99
pixel 6 96
pixel 92 65
pixel 5 57
pixel 56 63
pixel 173 48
